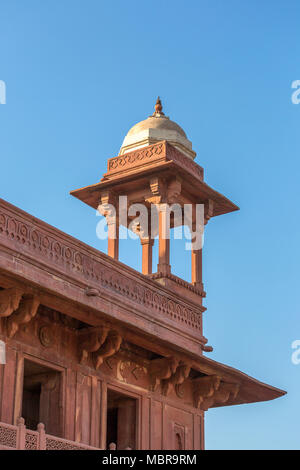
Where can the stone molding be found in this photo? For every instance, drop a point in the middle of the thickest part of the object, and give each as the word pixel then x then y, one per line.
pixel 152 154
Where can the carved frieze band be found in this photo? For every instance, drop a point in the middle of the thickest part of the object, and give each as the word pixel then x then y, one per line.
pixel 185 162
pixel 136 158
pixel 42 244
pixel 210 391
pixel 151 153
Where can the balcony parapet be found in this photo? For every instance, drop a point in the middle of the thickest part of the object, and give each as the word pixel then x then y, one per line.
pixel 20 438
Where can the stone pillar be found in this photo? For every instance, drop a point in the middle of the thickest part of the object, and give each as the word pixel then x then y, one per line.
pixel 113 237
pixel 197 268
pixel 42 436
pixel 197 259
pixel 147 245
pixel 21 434
pixel 108 207
pixel 126 423
pixel 164 240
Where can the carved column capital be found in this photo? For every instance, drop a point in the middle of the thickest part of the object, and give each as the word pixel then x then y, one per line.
pixel 147 241
pixel 108 207
pixel 157 191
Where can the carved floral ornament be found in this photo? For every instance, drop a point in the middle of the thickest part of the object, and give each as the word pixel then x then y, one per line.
pixel 46 336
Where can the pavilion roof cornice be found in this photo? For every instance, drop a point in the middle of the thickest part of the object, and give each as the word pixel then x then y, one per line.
pixel 135 169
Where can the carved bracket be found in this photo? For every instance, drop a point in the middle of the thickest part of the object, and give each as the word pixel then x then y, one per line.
pixel 226 392
pixel 177 378
pixel 169 372
pixel 174 190
pixel 9 300
pixel 208 211
pixel 110 347
pixel 90 340
pixel 107 207
pixel 157 191
pixel 210 391
pixel 204 388
pixel 99 343
pixel 160 369
pixel 24 314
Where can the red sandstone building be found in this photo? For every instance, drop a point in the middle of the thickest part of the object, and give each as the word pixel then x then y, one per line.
pixel 96 352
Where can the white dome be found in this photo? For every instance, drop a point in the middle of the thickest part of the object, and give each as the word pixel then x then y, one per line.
pixel 156 128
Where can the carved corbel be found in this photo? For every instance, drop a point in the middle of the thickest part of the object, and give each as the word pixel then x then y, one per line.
pixel 226 392
pixel 205 388
pixel 24 314
pixel 174 190
pixel 177 378
pixel 90 340
pixel 208 210
pixel 9 300
pixel 108 197
pixel 110 347
pixel 108 206
pixel 157 191
pixel 161 369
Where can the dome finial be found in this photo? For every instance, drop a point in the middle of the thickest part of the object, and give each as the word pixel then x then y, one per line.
pixel 158 108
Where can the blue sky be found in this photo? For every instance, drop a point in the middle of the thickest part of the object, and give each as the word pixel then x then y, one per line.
pixel 80 74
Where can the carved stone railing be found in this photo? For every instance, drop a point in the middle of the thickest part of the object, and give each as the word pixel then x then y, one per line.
pixel 43 245
pixel 20 438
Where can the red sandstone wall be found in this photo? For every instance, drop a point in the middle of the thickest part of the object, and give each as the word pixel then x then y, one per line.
pixel 163 422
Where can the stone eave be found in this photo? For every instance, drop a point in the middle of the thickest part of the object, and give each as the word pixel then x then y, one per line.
pixel 170 161
pixel 251 390
pixel 200 190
